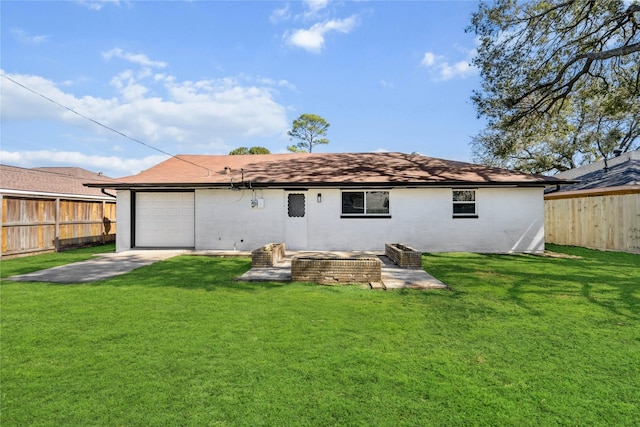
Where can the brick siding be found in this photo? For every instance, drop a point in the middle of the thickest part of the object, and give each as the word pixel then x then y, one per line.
pixel 404 256
pixel 268 255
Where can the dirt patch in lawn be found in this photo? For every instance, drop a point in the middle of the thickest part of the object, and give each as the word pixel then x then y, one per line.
pixel 550 254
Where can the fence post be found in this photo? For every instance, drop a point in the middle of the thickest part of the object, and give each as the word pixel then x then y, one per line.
pixel 57 226
pixel 104 230
pixel 2 242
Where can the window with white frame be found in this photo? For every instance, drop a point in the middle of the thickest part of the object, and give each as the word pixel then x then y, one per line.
pixel 365 203
pixel 464 203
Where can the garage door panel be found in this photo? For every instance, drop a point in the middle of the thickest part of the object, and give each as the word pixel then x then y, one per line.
pixel 165 220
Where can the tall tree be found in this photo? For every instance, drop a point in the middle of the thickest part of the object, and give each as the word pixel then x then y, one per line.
pixel 252 150
pixel 309 130
pixel 560 81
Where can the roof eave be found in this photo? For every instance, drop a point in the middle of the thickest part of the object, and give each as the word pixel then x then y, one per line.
pixel 285 185
pixel 52 194
pixel 592 192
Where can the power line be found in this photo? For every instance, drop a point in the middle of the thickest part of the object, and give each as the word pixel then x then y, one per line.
pixel 101 124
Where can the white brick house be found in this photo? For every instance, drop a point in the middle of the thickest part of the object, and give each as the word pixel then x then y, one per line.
pixel 350 201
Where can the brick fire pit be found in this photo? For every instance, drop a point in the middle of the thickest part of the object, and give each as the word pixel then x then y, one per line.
pixel 334 270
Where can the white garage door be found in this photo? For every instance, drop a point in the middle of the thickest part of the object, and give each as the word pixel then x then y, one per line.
pixel 165 220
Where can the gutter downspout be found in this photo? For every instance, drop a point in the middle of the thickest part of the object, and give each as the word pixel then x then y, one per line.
pixel 103 191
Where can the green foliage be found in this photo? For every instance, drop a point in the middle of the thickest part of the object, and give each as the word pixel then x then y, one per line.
pixel 252 150
pixel 560 82
pixel 520 340
pixel 296 149
pixel 309 130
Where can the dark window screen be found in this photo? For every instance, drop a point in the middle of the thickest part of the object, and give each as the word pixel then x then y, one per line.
pixel 296 205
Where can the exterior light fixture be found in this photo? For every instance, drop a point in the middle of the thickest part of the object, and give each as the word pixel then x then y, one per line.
pixel 319 198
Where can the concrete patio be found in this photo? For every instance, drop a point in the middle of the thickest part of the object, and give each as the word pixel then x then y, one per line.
pixel 105 266
pixel 393 277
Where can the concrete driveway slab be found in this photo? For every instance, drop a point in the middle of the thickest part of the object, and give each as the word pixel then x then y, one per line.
pixel 104 266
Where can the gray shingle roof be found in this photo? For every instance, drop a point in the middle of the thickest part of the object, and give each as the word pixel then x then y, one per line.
pixel 623 170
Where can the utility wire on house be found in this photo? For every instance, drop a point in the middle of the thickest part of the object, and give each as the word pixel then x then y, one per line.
pixel 102 124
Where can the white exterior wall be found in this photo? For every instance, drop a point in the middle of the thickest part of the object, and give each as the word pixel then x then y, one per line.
pixel 123 220
pixel 226 220
pixel 509 220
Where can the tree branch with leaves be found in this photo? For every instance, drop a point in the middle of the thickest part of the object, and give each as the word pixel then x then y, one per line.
pixel 309 130
pixel 558 78
pixel 246 150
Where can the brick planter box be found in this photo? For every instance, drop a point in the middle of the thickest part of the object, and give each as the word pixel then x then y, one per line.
pixel 335 270
pixel 404 256
pixel 267 255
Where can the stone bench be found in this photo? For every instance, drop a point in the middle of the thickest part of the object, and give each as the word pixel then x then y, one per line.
pixel 404 256
pixel 329 270
pixel 268 255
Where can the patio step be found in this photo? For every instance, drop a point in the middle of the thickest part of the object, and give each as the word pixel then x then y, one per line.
pixel 377 285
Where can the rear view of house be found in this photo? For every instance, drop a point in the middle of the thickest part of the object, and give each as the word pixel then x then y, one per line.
pixel 349 201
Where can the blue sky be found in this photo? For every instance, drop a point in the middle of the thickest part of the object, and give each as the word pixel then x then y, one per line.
pixel 205 77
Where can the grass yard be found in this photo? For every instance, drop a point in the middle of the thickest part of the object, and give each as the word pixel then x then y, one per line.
pixel 520 340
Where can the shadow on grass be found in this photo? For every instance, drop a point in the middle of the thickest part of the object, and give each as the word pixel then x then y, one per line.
pixel 521 277
pixel 610 280
pixel 192 272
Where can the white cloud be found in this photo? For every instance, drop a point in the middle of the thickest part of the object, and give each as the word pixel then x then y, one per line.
pixel 24 37
pixel 319 15
pixel 271 82
pixel 156 109
pixel 19 104
pixel 127 85
pixel 97 4
pixel 279 15
pixel 443 70
pixel 136 58
pixel 386 84
pixel 462 69
pixel 313 39
pixel 112 166
pixel 429 59
pixel 307 39
pixel 314 7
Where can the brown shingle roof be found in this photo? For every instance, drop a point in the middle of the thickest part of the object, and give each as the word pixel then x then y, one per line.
pixel 324 169
pixel 67 181
pixel 73 171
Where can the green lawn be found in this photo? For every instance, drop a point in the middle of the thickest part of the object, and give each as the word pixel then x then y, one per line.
pixel 519 340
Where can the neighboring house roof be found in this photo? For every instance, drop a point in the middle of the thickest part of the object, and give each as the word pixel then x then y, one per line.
pixel 320 169
pixel 623 170
pixel 51 181
pixel 73 171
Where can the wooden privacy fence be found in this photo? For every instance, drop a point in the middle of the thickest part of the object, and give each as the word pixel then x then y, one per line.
pixel 32 225
pixel 601 220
